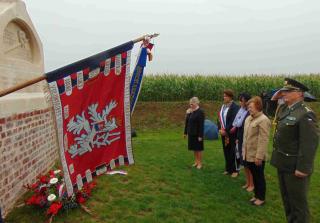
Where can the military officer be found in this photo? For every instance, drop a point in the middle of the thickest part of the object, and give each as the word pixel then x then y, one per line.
pixel 295 143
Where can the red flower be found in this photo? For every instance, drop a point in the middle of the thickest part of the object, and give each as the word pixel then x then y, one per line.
pixel 81 199
pixel 54 208
pixel 51 174
pixel 35 186
pixel 37 199
pixel 43 179
pixel 32 200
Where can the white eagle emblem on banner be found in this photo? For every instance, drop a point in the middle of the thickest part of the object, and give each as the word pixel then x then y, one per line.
pixel 97 130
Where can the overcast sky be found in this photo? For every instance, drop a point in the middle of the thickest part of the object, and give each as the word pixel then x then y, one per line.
pixel 196 36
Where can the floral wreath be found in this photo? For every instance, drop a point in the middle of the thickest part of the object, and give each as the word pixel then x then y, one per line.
pixel 49 193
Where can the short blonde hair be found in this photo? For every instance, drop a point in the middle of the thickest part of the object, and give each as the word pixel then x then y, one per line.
pixel 195 100
pixel 257 101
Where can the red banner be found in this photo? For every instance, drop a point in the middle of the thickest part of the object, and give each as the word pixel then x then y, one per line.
pixel 91 102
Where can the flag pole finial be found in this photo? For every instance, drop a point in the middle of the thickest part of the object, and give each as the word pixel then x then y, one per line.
pixel 150 36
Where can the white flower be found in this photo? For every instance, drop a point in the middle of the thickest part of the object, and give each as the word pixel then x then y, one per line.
pixel 52 197
pixel 56 172
pixel 53 180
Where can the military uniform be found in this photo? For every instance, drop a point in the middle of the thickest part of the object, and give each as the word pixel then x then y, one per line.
pixel 295 143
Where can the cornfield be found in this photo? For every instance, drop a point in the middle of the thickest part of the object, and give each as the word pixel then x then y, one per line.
pixel 182 87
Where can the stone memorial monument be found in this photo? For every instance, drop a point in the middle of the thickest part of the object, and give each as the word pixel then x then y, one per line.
pixel 21 55
pixel 28 144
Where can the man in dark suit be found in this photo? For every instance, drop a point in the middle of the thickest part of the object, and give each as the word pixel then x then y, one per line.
pixel 294 148
pixel 227 114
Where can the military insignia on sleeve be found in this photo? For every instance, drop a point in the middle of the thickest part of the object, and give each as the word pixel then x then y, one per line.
pixel 311 120
pixel 291 118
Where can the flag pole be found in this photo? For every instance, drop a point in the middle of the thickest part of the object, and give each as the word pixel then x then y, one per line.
pixel 22 85
pixel 43 77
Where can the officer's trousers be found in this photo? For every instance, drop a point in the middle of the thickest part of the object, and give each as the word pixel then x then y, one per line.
pixel 294 192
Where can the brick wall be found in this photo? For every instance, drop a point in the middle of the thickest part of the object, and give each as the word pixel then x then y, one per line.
pixel 27 148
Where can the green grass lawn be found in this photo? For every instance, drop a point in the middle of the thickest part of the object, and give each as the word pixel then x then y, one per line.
pixel 162 187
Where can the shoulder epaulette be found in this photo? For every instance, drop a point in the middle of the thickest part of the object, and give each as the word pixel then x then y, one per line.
pixel 307 108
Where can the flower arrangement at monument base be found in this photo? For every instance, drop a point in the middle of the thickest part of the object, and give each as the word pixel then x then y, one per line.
pixel 49 193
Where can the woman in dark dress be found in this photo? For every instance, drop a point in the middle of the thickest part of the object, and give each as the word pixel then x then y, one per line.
pixel 194 130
